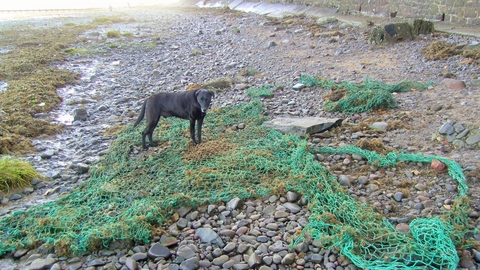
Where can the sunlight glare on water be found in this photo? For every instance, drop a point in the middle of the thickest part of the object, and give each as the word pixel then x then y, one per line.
pixel 55 4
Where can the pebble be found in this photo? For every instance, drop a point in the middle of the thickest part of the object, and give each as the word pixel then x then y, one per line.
pixel 453 83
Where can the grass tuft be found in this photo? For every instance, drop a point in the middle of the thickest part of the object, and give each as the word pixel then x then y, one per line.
pixel 15 173
pixel 113 34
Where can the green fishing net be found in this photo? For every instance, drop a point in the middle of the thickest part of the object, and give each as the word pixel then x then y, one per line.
pixel 358 98
pixel 131 192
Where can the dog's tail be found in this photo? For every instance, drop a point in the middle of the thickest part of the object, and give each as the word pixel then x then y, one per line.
pixel 142 113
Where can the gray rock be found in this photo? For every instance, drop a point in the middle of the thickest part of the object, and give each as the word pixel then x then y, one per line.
pixel 243 223
pixel 190 264
pixel 241 266
pixel 303 126
pixel 229 247
pixel 268 260
pixel 363 180
pixel 476 255
pixel 277 258
pixel 183 211
pixel 462 134
pixel 421 187
pixel 398 196
pixel 228 233
pixel 80 114
pixel 208 235
pixel 185 252
pixel 271 44
pixel 288 259
pixel 96 262
pixel 248 238
pixel 234 203
pixel 131 264
pixel 19 253
pixel 380 126
pixel 204 264
pixel 466 262
pixel 292 207
pixel 47 154
pixel 262 239
pixel 458 127
pixel 357 157
pixel 458 143
pixel 447 128
pixel 254 260
pixel 272 226
pixel 298 86
pixel 80 168
pixel 40 264
pixel 281 214
pixel 291 196
pixel 242 248
pixel 182 223
pixel 436 107
pixel 228 264
pixel 473 139
pixel 158 250
pixel 15 196
pixel 220 260
pixel 217 252
pixel 344 180
pixel 269 210
pixel 56 266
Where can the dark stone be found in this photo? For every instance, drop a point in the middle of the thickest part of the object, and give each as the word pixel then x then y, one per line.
pixel 80 114
pixel 158 250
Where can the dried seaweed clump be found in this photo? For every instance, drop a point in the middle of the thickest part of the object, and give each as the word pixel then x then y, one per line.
pixel 439 50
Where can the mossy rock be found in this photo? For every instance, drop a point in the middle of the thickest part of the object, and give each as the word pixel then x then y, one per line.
pixel 422 27
pixel 400 31
pixel 391 33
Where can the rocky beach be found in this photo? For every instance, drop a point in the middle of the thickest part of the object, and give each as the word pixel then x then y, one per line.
pixel 172 48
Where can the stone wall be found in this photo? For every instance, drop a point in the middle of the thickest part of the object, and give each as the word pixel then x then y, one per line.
pixel 457 11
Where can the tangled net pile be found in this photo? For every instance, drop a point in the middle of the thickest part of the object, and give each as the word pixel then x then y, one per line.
pixel 358 98
pixel 128 195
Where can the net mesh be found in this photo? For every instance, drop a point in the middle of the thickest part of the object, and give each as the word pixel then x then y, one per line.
pixel 129 194
pixel 358 98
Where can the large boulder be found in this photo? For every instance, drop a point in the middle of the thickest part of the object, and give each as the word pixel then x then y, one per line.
pixel 394 32
pixel 303 126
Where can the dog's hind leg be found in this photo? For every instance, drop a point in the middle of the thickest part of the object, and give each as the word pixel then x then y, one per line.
pixel 149 132
pixel 144 145
pixel 151 125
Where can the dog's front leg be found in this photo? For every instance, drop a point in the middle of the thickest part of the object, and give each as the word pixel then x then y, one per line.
pixel 199 129
pixel 192 130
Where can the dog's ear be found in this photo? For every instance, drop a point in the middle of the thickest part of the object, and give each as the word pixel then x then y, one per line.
pixel 212 93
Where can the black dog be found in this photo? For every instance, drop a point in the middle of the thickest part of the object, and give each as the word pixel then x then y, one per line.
pixel 191 105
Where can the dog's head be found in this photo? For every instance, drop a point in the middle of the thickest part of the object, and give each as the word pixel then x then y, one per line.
pixel 204 98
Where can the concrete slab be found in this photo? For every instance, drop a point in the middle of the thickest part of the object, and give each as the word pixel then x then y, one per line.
pixel 303 126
